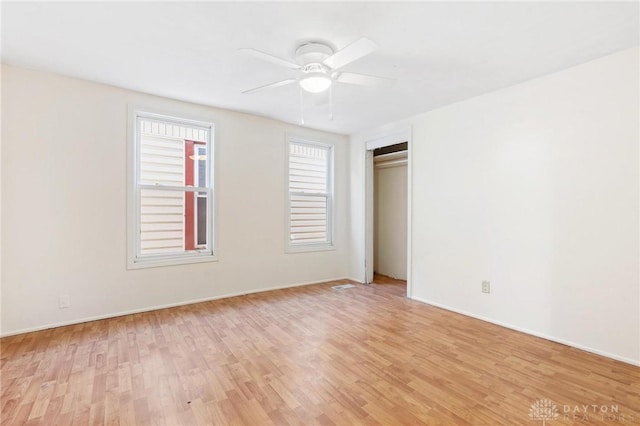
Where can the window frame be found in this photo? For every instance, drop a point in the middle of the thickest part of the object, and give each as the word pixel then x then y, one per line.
pixel 134 259
pixel 318 246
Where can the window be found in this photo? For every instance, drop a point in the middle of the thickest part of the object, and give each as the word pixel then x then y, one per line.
pixel 310 195
pixel 171 204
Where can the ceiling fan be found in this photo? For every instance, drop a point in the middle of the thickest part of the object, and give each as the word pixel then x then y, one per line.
pixel 318 66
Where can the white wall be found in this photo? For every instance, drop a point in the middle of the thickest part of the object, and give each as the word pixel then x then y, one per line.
pixel 390 219
pixel 64 145
pixel 1 193
pixel 356 208
pixel 535 188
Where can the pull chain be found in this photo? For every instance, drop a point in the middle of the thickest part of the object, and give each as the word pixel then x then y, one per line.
pixel 331 103
pixel 301 108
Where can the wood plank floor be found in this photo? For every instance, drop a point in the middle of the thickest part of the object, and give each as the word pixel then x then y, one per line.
pixel 307 355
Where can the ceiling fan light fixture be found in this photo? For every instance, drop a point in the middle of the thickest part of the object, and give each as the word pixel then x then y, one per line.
pixel 315 82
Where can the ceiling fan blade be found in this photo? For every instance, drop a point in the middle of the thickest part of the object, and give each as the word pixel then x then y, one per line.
pixel 350 53
pixel 364 80
pixel 270 58
pixel 271 85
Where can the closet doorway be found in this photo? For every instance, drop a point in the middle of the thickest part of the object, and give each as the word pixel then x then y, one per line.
pixel 390 211
pixel 387 241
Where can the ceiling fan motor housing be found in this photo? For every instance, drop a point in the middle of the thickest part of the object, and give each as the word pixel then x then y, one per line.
pixel 312 53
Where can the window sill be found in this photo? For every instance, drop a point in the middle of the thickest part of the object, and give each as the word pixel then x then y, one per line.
pixel 309 248
pixel 170 261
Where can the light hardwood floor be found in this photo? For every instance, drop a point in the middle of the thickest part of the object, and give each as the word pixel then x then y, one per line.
pixel 307 355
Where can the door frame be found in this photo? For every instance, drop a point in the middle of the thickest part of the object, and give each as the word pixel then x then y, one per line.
pixel 386 138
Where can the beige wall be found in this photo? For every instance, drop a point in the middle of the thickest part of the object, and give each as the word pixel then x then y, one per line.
pixel 535 188
pixel 390 221
pixel 64 144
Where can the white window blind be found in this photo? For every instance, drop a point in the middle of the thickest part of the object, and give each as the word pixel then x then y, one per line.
pixel 161 212
pixel 310 194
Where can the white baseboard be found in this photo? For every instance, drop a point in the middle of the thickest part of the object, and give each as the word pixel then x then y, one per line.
pixel 157 307
pixel 531 332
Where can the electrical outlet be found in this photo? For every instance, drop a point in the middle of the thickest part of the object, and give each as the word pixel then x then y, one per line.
pixel 64 301
pixel 486 287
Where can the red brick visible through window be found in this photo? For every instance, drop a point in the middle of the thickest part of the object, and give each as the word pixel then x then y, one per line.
pixel 189 204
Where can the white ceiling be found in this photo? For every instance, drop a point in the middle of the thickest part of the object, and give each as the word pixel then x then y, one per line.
pixel 439 52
